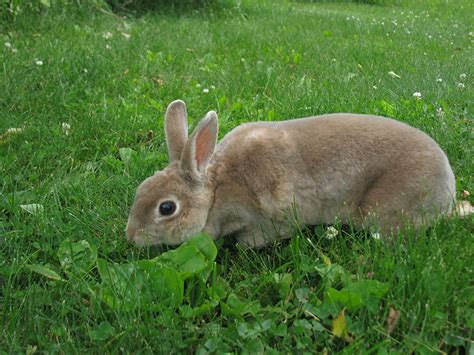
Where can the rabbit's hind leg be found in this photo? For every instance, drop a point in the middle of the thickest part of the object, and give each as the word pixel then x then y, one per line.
pixel 394 203
pixel 386 207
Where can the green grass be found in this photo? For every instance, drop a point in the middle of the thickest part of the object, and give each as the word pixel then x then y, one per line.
pixel 260 61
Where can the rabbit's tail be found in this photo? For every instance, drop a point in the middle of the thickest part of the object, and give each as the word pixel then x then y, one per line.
pixel 463 209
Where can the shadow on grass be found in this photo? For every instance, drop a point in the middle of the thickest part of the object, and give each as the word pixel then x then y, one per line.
pixel 365 2
pixel 168 7
pixel 23 12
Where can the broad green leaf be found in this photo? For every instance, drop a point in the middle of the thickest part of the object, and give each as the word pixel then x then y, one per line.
pixel 205 245
pixel 317 327
pixel 218 290
pixel 126 154
pixel 369 287
pixel 280 330
pixel 153 284
pixel 357 294
pixel 243 330
pixel 454 339
pixel 186 260
pixel 302 327
pixel 77 257
pixel 102 332
pixel 325 309
pixel 331 274
pixel 165 284
pixel 236 308
pixel 252 330
pixel 351 300
pixel 196 256
pixel 44 271
pixel 21 197
pixel 215 344
pixel 284 282
pixel 189 312
pixel 254 346
pixel 302 294
pixel 143 284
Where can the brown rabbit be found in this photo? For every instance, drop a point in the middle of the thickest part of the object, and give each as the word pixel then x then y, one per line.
pixel 367 170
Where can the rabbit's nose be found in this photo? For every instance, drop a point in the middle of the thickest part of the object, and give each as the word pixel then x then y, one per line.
pixel 130 231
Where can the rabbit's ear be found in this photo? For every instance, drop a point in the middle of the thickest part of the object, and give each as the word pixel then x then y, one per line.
pixel 176 129
pixel 200 147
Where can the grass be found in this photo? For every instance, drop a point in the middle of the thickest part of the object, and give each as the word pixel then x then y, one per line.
pixel 260 61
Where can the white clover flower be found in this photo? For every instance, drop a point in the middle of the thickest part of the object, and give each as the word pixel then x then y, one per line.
pixel 66 128
pixel 107 35
pixel 375 235
pixel 417 95
pixel 8 44
pixel 374 87
pixel 462 76
pixel 394 75
pixel 108 47
pixel 198 85
pixel 14 50
pixel 331 232
pixel 461 85
pixel 439 111
pixel 206 91
pixel 39 62
pixel 439 80
pixel 85 70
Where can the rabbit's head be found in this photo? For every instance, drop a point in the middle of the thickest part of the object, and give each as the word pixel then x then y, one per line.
pixel 173 204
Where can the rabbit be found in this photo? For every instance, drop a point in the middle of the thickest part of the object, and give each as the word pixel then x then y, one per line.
pixel 263 177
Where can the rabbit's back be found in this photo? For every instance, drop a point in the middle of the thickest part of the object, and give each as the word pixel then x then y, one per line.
pixel 328 165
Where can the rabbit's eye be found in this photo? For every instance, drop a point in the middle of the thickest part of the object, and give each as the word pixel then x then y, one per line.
pixel 167 208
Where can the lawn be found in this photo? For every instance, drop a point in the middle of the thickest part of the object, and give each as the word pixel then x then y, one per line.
pixel 83 92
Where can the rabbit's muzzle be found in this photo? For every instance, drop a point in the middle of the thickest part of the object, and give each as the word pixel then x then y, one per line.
pixel 132 230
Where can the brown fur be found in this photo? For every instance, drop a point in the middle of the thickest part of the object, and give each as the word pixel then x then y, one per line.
pixel 368 170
